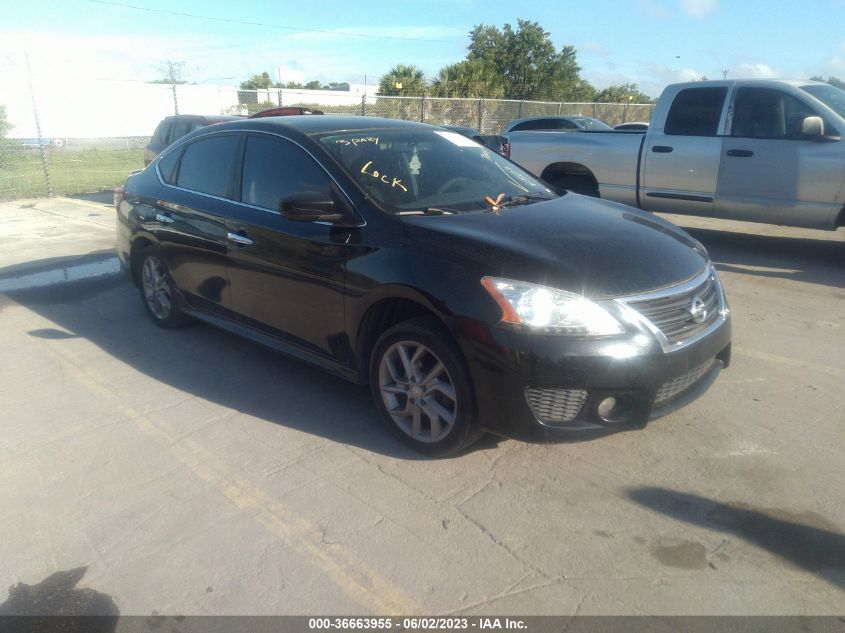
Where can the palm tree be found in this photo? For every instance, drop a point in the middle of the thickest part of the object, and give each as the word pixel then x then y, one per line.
pixel 472 78
pixel 404 80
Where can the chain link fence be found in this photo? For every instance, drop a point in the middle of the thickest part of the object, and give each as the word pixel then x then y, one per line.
pixel 64 142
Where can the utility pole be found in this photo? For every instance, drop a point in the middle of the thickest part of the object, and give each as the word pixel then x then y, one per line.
pixel 725 73
pixel 41 149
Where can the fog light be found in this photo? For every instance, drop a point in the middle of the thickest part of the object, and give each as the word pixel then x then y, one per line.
pixel 606 406
pixel 616 410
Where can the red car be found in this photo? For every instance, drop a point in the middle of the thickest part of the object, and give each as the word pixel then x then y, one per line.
pixel 284 111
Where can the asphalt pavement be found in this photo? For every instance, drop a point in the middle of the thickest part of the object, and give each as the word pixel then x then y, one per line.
pixel 191 472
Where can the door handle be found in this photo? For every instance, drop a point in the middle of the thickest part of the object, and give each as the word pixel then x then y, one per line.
pixel 740 153
pixel 237 238
pixel 163 218
pixel 662 149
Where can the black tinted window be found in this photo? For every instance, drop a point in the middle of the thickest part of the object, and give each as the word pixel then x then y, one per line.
pixel 275 169
pixel 545 124
pixel 768 113
pixel 180 128
pixel 160 135
pixel 167 166
pixel 207 165
pixel 696 112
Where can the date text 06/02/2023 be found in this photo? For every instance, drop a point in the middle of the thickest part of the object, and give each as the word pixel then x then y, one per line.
pixel 416 623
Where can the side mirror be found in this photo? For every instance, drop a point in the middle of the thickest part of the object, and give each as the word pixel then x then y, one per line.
pixel 309 206
pixel 812 127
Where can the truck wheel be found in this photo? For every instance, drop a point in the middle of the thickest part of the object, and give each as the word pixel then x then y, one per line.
pixel 585 185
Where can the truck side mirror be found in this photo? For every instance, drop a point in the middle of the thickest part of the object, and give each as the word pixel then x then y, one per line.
pixel 812 127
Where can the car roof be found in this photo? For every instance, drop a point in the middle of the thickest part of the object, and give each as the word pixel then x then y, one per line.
pixel 464 129
pixel 311 125
pixel 210 118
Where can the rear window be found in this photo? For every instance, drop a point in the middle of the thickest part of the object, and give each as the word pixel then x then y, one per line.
pixel 696 112
pixel 207 165
pixel 160 135
pixel 544 124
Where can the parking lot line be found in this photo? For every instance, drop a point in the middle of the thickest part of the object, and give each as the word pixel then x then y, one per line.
pixel 341 566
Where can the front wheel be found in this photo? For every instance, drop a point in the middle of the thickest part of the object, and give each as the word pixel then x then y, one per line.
pixel 419 383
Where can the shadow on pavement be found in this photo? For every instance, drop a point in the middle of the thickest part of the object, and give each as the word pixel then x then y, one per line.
pixel 36 607
pixel 807 540
pixel 208 363
pixel 796 258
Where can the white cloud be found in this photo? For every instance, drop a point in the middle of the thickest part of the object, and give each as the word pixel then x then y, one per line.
pixel 654 8
pixel 753 71
pixel 699 8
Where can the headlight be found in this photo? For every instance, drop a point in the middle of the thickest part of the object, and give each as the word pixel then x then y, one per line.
pixel 547 309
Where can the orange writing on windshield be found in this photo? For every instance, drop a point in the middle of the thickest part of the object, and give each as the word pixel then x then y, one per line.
pixel 393 182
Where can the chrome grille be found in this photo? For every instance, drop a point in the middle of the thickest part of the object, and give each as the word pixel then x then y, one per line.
pixel 676 386
pixel 671 313
pixel 555 406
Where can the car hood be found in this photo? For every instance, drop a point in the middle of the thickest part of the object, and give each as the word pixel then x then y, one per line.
pixel 584 245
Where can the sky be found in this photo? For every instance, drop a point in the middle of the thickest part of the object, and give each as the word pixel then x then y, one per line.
pixel 649 42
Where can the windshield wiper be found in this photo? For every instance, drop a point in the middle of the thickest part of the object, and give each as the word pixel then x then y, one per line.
pixel 430 211
pixel 528 198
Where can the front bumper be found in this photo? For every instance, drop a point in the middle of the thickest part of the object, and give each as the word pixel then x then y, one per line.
pixel 519 378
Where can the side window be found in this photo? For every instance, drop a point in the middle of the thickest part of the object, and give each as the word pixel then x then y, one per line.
pixel 167 166
pixel 179 129
pixel 274 169
pixel 160 135
pixel 544 124
pixel 207 165
pixel 696 112
pixel 768 113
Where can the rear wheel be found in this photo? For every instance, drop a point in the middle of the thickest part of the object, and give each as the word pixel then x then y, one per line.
pixel 583 184
pixel 419 383
pixel 158 292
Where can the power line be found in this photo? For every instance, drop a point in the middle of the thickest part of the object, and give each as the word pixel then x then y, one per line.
pixel 272 26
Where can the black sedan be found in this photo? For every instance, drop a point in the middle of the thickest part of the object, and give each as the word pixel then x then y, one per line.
pixel 468 295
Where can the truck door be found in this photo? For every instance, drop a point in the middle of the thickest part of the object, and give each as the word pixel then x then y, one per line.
pixel 681 160
pixel 771 171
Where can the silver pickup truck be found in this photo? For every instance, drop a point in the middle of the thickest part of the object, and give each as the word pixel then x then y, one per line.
pixel 756 150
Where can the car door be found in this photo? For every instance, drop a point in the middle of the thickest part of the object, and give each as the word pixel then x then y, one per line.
pixel 287 277
pixel 190 218
pixel 681 159
pixel 770 171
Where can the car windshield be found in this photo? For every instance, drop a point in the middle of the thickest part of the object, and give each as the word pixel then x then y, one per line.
pixel 594 125
pixel 832 97
pixel 422 170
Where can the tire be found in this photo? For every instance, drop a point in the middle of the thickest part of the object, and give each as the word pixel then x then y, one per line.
pixel 585 185
pixel 158 291
pixel 432 413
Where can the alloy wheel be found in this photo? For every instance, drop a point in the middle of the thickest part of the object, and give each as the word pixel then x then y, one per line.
pixel 417 391
pixel 156 288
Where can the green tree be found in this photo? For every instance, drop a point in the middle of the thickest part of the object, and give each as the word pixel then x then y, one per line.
pixel 403 80
pixel 469 78
pixel 171 73
pixel 313 85
pixel 623 93
pixel 836 82
pixel 258 82
pixel 527 61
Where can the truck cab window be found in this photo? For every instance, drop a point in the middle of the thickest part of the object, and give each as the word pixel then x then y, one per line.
pixel 696 112
pixel 768 113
